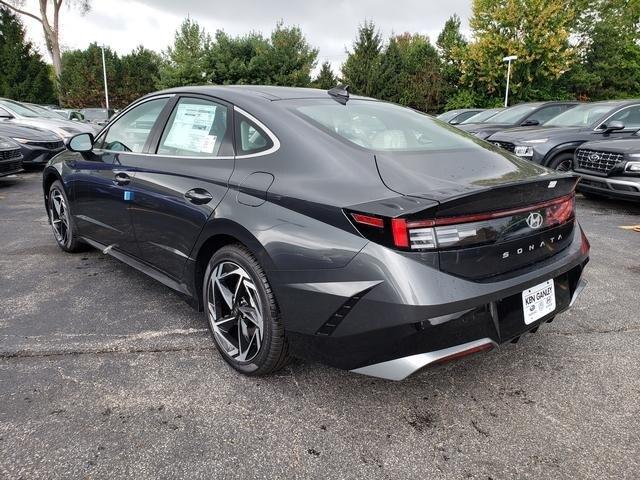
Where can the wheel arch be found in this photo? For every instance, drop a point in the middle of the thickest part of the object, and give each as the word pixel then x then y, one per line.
pixel 565 148
pixel 215 235
pixel 49 176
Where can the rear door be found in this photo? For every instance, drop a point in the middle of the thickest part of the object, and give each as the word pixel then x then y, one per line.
pixel 178 185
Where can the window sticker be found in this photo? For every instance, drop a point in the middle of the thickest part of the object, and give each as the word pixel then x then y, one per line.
pixel 191 128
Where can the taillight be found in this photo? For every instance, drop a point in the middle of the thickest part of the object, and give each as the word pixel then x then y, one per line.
pixel 464 230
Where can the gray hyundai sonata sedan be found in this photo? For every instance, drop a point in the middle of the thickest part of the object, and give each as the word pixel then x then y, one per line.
pixel 323 225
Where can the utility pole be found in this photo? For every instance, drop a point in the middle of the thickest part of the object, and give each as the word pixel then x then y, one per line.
pixel 104 73
pixel 508 59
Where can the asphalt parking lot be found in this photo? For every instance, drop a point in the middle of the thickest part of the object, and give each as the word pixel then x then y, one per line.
pixel 105 373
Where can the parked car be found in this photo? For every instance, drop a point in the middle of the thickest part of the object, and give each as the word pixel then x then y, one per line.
pixel 99 116
pixel 37 145
pixel 554 143
pixel 44 112
pixel 10 157
pixel 610 168
pixel 454 117
pixel 23 115
pixel 482 117
pixel 321 225
pixel 70 114
pixel 523 115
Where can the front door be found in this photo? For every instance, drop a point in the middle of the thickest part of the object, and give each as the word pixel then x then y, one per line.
pixel 102 196
pixel 176 189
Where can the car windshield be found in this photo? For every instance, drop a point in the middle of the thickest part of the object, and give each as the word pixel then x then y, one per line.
pixel 580 116
pixel 45 112
pixel 446 116
pixel 512 115
pixel 18 109
pixel 95 113
pixel 384 126
pixel 482 116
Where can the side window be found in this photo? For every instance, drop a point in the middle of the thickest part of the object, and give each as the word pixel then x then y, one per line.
pixel 547 113
pixel 629 116
pixel 197 128
pixel 130 132
pixel 250 138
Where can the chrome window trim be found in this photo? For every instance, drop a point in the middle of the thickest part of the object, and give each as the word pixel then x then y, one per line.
pixel 614 113
pixel 276 143
pixel 123 112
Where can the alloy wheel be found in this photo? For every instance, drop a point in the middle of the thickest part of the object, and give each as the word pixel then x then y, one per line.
pixel 59 216
pixel 235 311
pixel 564 166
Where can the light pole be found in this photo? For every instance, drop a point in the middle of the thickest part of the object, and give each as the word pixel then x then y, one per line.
pixel 104 74
pixel 508 59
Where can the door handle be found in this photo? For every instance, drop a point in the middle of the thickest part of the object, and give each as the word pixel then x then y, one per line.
pixel 198 196
pixel 121 178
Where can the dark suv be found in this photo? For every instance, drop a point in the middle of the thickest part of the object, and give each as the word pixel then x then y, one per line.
pixel 610 168
pixel 554 143
pixel 523 115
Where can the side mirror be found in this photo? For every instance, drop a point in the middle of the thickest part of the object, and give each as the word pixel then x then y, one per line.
pixel 81 143
pixel 454 122
pixel 612 126
pixel 530 123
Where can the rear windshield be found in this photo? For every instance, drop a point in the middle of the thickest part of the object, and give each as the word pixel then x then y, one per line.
pixel 384 126
pixel 580 116
pixel 512 114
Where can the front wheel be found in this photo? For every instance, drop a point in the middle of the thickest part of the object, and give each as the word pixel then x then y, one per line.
pixel 562 163
pixel 242 313
pixel 64 230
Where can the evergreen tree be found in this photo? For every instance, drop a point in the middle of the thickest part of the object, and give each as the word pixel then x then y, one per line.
pixel 24 75
pixel 392 75
pixel 81 81
pixel 361 68
pixel 451 46
pixel 139 74
pixel 290 58
pixel 325 80
pixel 186 61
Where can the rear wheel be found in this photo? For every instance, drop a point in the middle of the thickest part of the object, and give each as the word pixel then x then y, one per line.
pixel 64 230
pixel 242 313
pixel 562 163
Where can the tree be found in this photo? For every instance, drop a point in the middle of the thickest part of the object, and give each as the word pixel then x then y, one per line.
pixel 50 24
pixel 81 82
pixel 424 87
pixel 609 45
pixel 325 80
pixel 24 75
pixel 360 69
pixel 537 31
pixel 451 46
pixel 392 76
pixel 185 63
pixel 290 58
pixel 140 71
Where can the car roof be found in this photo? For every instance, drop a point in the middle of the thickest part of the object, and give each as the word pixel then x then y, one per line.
pixel 234 93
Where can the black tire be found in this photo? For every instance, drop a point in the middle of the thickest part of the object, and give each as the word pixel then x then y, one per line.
pixel 273 352
pixel 561 162
pixel 68 239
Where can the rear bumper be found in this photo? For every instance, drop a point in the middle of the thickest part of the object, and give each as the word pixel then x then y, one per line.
pixel 615 187
pixel 412 314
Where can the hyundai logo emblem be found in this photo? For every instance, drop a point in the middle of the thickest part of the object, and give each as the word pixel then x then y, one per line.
pixel 594 157
pixel 535 220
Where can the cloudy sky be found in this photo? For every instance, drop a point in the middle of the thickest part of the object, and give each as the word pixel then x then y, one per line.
pixel 328 25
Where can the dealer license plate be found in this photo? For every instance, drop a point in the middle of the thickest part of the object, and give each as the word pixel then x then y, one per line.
pixel 538 301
